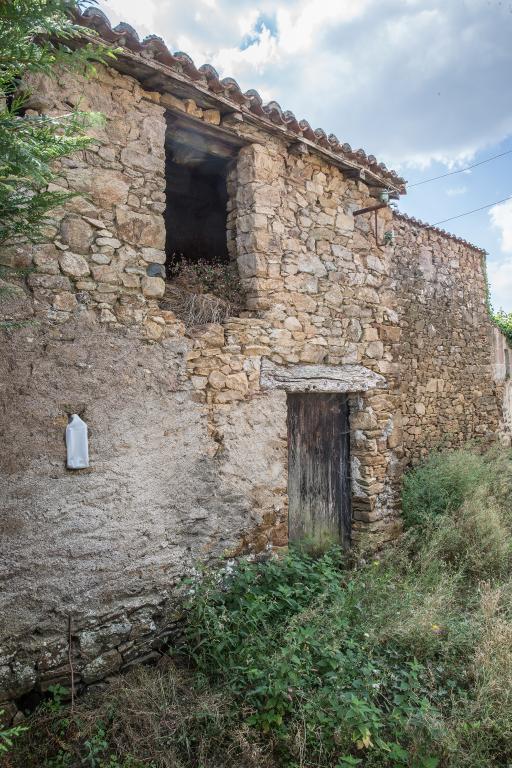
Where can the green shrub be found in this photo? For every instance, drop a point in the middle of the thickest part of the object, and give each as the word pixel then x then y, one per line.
pixel 289 640
pixel 504 322
pixel 440 485
pixel 8 735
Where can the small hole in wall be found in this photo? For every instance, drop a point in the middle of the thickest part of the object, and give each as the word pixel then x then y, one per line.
pixel 30 701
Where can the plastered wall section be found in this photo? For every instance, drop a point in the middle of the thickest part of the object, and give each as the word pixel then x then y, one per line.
pixel 105 548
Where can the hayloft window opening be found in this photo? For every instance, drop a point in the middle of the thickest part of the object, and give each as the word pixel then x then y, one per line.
pixel 203 283
pixel 196 211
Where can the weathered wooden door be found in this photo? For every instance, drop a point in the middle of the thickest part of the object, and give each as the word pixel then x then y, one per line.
pixel 319 492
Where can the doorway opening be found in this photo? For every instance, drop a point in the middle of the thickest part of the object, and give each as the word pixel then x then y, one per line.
pixel 203 284
pixel 319 483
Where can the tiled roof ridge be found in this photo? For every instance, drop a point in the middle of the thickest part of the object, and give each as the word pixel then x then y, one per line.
pixel 153 47
pixel 425 225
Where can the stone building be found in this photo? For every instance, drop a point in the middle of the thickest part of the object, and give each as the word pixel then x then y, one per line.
pixel 360 341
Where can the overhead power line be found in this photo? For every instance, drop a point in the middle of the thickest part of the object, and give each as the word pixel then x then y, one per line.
pixel 475 210
pixel 461 170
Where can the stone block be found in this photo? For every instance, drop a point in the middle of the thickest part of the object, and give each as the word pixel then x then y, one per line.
pixel 310 263
pixel 191 108
pixel 292 324
pixel 143 229
pixel 106 316
pixel 101 667
pixel 65 301
pixel 16 678
pixel 153 255
pixel 238 382
pixel 211 116
pixel 153 329
pixel 226 396
pixel 130 281
pixel 73 264
pixel 375 350
pixel 76 233
pixel 252 265
pixel 113 242
pixel 153 287
pixel 312 353
pixel 105 274
pixel 390 333
pixel 171 102
pixel 94 642
pixel 142 161
pixel 217 380
pixel 210 335
pixel 46 258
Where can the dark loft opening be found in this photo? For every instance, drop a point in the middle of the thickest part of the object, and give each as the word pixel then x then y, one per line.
pixel 203 283
pixel 196 208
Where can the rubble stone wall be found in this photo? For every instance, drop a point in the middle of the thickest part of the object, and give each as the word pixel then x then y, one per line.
pixel 317 293
pixel 448 392
pixel 188 446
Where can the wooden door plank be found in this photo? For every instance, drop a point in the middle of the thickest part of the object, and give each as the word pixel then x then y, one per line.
pixel 319 469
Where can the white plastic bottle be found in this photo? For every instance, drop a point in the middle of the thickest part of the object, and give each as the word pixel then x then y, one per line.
pixel 77 444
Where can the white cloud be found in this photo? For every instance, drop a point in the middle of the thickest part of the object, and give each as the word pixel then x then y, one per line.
pixel 501 217
pixel 141 16
pixel 500 278
pixel 252 59
pixel 456 191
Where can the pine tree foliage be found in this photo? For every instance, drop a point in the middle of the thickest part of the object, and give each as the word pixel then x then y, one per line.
pixel 37 36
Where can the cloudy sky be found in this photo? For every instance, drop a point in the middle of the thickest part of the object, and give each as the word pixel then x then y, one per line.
pixel 425 85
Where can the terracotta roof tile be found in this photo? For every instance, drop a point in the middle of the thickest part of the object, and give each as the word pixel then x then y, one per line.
pixel 153 47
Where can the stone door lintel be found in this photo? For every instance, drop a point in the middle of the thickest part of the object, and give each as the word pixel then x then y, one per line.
pixel 319 378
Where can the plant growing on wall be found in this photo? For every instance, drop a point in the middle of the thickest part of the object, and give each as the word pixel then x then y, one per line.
pixel 501 319
pixel 504 323
pixel 36 36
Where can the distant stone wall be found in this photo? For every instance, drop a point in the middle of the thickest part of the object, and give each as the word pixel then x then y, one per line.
pixel 447 389
pixel 502 368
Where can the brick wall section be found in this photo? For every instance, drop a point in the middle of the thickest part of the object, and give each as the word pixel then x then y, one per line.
pixel 447 391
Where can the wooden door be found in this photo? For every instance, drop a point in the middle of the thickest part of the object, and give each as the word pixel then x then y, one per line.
pixel 319 492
